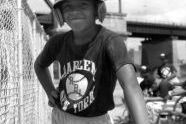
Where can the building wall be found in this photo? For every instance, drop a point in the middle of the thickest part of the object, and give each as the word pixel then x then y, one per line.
pixel 179 55
pixel 174 49
pixel 151 50
pixel 116 23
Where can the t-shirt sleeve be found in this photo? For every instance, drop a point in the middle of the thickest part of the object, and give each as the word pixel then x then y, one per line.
pixel 49 52
pixel 117 52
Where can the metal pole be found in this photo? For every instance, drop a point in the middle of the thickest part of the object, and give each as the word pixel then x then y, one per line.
pixel 48 2
pixel 19 6
pixel 120 6
pixel 55 22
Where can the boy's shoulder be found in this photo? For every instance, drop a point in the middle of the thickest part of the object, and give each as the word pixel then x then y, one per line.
pixel 109 34
pixel 110 37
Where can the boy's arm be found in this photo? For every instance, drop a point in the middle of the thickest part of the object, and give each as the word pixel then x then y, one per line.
pixel 133 94
pixel 45 79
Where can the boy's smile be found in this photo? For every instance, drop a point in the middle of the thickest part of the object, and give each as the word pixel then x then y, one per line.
pixel 76 16
pixel 80 14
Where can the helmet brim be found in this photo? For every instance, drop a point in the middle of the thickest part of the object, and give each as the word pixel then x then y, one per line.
pixel 60 2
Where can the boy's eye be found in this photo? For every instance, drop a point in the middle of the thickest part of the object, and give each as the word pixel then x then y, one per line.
pixel 66 7
pixel 84 4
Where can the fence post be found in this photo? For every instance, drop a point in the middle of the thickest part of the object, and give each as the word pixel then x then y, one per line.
pixel 19 5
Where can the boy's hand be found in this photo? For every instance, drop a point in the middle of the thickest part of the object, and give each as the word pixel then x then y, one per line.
pixel 53 98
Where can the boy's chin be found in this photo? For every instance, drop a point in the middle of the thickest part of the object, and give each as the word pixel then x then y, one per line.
pixel 78 28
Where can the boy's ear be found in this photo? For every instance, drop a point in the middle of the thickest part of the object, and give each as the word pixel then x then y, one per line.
pixel 59 17
pixel 101 11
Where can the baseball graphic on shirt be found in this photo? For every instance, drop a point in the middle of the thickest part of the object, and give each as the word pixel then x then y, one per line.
pixel 76 86
pixel 166 72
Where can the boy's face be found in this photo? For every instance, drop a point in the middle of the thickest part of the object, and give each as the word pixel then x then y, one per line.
pixel 79 14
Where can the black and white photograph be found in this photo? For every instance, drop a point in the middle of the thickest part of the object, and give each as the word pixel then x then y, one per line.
pixel 92 61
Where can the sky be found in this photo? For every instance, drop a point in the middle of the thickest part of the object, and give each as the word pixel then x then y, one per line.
pixel 164 11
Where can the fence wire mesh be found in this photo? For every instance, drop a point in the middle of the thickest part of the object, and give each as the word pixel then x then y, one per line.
pixel 22 100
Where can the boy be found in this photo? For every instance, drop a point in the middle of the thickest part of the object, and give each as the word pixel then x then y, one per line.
pixel 91 58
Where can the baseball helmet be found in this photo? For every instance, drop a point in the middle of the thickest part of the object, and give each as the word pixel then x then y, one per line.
pixel 101 10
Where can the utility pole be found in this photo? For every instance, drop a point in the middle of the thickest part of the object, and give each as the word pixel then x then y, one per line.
pixel 120 6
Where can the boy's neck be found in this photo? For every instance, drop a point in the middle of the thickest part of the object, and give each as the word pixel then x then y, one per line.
pixel 85 36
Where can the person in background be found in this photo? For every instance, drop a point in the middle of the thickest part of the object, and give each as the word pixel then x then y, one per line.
pixel 166 69
pixel 167 73
pixel 91 58
pixel 148 80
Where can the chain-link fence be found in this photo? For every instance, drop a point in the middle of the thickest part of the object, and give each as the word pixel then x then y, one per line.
pixel 22 100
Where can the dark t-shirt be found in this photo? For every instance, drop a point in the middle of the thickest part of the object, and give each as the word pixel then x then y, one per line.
pixel 88 72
